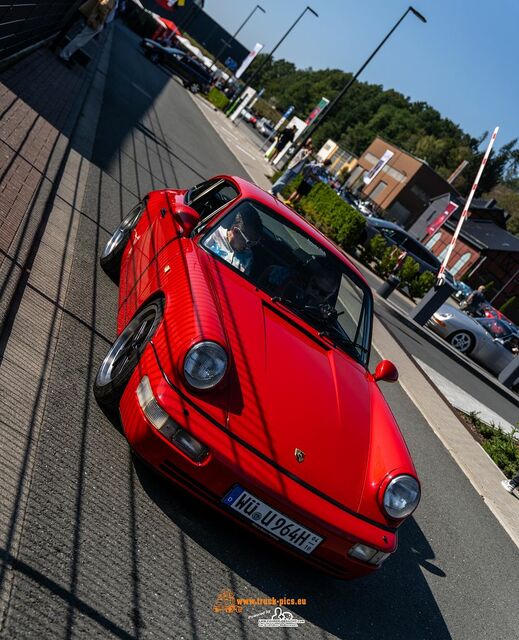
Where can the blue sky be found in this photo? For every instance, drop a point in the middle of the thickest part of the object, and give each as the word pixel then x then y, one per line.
pixel 463 62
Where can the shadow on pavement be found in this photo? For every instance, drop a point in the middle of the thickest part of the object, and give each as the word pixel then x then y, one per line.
pixel 398 594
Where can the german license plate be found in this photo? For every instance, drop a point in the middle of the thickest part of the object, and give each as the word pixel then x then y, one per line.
pixel 271 520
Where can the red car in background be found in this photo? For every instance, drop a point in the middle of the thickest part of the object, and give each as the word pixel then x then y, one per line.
pixel 490 312
pixel 240 372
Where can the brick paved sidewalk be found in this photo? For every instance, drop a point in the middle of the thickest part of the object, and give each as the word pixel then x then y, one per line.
pixel 40 101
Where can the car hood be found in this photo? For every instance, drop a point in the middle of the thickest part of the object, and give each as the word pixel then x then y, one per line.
pixel 295 399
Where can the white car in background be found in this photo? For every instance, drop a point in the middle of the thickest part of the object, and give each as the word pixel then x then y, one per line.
pixel 265 127
pixel 489 341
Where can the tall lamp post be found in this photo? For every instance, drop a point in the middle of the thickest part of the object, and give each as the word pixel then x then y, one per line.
pixel 269 56
pixel 331 105
pixel 227 44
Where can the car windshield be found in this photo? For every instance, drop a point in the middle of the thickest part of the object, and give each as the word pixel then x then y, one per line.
pixel 496 328
pixel 297 272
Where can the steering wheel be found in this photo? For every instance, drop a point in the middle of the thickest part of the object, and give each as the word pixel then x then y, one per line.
pixel 324 312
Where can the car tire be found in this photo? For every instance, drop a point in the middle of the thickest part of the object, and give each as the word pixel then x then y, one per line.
pixel 112 253
pixel 463 341
pixel 194 87
pixel 123 356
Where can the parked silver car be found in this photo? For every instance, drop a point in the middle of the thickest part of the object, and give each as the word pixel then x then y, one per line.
pixel 490 341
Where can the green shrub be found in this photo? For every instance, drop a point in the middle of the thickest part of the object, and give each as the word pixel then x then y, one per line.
pixel 387 262
pixel 340 221
pixel 421 284
pixel 265 110
pixel 409 272
pixel 502 447
pixel 374 249
pixel 503 450
pixel 218 98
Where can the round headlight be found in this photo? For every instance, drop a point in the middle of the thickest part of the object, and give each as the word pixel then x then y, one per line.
pixel 205 365
pixel 401 497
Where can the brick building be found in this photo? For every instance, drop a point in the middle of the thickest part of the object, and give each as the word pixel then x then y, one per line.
pixel 403 188
pixel 485 252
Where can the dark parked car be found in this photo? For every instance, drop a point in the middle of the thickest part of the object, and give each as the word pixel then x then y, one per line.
pixel 395 235
pixel 192 72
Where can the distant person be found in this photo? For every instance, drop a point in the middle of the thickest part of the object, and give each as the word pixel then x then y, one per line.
pixel 312 173
pixel 295 166
pixel 96 13
pixel 476 301
pixel 284 138
pixel 512 484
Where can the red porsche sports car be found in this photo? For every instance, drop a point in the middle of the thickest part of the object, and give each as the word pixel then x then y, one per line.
pixel 240 372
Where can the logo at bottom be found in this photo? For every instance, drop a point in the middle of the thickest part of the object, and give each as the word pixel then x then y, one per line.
pixel 280 618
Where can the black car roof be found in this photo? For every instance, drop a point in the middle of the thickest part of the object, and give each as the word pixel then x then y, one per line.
pixel 379 222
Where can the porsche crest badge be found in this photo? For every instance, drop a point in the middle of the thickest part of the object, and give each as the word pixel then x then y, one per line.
pixel 300 455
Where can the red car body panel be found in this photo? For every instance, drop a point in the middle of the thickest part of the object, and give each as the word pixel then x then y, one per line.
pixel 286 388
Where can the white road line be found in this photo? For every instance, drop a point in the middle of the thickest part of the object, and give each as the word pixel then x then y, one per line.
pixel 136 86
pixel 230 133
pixel 245 151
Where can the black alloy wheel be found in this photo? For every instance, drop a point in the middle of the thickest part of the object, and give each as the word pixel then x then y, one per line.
pixel 124 355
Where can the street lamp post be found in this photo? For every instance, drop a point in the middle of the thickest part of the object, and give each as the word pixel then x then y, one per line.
pixel 269 56
pixel 331 105
pixel 227 44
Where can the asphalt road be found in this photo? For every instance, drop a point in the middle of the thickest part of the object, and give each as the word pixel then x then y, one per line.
pixel 110 550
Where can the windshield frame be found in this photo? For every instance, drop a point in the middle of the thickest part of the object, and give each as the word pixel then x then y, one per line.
pixel 361 350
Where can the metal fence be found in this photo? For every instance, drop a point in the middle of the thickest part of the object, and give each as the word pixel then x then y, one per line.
pixel 25 23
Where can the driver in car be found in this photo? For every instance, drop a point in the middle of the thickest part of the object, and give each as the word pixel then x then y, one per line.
pixel 234 243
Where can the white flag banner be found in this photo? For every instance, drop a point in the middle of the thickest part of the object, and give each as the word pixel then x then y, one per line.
pixel 377 168
pixel 249 59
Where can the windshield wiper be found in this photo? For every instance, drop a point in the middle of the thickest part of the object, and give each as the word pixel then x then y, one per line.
pixel 335 334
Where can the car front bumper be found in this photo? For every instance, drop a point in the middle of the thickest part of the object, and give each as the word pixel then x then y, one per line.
pixel 229 463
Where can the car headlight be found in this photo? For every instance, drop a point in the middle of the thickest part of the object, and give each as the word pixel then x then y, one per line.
pixel 205 365
pixel 441 318
pixel 401 497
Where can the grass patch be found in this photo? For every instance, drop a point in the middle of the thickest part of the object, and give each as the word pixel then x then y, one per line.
pixel 218 98
pixel 502 447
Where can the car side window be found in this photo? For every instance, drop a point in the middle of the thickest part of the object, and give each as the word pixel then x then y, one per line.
pixel 420 252
pixel 399 237
pixel 209 197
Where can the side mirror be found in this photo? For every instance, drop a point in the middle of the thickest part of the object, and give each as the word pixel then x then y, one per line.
pixel 187 218
pixel 385 371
